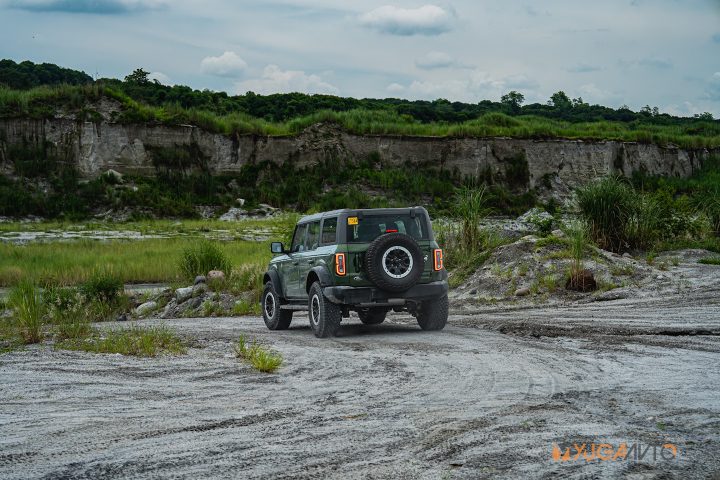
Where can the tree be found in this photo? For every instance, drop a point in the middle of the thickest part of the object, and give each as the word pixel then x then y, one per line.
pixel 703 116
pixel 560 100
pixel 513 100
pixel 138 76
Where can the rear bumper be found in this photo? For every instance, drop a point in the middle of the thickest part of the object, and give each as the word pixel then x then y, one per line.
pixel 370 296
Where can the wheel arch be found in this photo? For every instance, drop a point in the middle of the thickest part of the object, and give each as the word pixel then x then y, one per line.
pixel 273 277
pixel 317 274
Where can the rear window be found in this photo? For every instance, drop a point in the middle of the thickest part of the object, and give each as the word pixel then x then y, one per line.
pixel 329 231
pixel 369 227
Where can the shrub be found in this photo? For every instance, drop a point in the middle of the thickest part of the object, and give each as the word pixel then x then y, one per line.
pixel 607 205
pixel 199 259
pixel 27 301
pixel 104 285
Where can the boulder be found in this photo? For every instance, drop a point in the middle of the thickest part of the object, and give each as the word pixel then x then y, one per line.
pixel 233 214
pixel 145 308
pixel 182 294
pixel 557 233
pixel 216 275
pixel 114 175
pixel 582 281
pixel 199 289
pixel 200 279
pixel 522 292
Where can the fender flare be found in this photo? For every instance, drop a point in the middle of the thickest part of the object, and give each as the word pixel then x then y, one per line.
pixel 272 276
pixel 322 274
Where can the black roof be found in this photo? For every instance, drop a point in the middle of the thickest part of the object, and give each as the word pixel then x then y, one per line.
pixel 366 211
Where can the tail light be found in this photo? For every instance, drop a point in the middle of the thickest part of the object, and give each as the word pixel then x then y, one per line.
pixel 340 264
pixel 437 259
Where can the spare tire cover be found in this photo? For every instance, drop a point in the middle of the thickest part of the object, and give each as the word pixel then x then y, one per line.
pixel 394 262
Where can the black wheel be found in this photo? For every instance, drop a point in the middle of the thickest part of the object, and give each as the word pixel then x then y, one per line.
pixel 394 262
pixel 372 316
pixel 325 316
pixel 275 318
pixel 433 314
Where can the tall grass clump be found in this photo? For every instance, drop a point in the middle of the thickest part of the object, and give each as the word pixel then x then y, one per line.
pixel 104 285
pixel 262 359
pixel 202 257
pixel 606 206
pixel 578 243
pixel 137 341
pixel 470 208
pixel 27 301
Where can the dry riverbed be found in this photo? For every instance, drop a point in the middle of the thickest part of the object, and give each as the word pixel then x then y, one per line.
pixel 486 397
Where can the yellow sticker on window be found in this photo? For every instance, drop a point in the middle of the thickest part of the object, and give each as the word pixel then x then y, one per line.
pixel 352 220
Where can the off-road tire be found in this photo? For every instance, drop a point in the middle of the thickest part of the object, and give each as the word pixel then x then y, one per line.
pixel 374 262
pixel 372 316
pixel 433 314
pixel 324 316
pixel 280 319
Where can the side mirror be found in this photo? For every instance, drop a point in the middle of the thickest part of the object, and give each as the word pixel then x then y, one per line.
pixel 277 247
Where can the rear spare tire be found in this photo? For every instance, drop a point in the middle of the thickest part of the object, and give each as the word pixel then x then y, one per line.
pixel 394 262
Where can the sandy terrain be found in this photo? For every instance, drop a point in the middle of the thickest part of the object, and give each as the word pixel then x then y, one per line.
pixel 486 397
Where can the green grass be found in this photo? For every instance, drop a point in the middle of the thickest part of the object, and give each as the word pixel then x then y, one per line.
pixel 261 359
pixel 71 263
pixel 41 102
pixel 710 261
pixel 30 309
pixel 201 257
pixel 135 340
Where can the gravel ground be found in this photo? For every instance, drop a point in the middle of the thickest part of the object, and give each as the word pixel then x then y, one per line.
pixel 486 397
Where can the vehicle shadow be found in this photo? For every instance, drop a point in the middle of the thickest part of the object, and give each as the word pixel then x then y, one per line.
pixel 347 330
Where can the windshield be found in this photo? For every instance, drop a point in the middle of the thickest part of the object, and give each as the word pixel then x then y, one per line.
pixel 369 227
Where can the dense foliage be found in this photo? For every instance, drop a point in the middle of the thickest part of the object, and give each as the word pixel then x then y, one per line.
pixel 278 114
pixel 27 74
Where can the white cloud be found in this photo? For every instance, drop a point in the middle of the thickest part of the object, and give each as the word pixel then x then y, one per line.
pixel 478 85
pixel 713 89
pixel 433 60
pixel 591 93
pixel 395 88
pixel 425 20
pixel 160 77
pixel 275 80
pixel 229 64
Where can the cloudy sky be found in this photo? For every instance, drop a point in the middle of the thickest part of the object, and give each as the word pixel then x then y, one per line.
pixel 663 53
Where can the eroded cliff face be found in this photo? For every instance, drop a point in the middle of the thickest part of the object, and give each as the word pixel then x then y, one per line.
pixel 550 165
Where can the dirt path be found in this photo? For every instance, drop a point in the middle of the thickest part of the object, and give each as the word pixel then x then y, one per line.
pixel 487 397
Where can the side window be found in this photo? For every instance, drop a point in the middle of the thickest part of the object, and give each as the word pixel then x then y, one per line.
pixel 329 231
pixel 313 236
pixel 299 238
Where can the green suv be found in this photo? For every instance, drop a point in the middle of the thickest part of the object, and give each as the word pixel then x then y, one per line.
pixel 369 261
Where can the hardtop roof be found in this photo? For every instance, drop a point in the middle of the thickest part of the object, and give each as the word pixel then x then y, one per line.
pixel 365 211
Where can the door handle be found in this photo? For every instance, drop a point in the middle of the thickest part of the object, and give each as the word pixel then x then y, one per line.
pixel 295 263
pixel 311 261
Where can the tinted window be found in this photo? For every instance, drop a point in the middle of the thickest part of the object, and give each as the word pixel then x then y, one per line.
pixel 329 231
pixel 299 238
pixel 313 236
pixel 368 228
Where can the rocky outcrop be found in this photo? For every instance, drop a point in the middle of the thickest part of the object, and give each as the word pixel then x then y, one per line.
pixel 551 164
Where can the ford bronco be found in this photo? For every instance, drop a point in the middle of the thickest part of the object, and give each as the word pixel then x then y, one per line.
pixel 369 261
